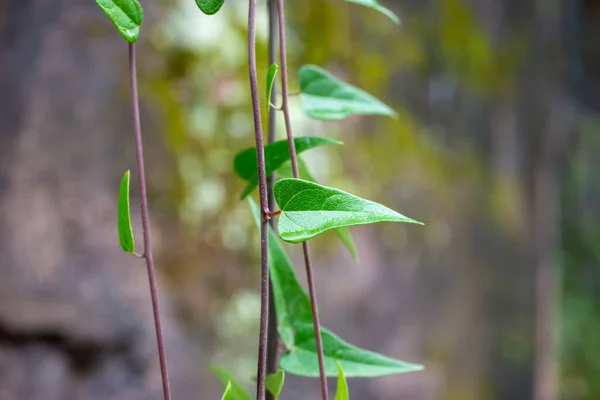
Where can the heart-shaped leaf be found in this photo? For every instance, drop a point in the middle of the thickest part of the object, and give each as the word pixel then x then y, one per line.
pixel 233 389
pixel 294 323
pixel 308 209
pixel 276 154
pixel 325 97
pixel 374 4
pixel 285 171
pixel 210 7
pixel 342 386
pixel 124 216
pixel 271 74
pixel 274 383
pixel 127 15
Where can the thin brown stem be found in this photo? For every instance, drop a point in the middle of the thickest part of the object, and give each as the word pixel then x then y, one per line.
pixel 272 334
pixel 294 159
pixel 146 225
pixel 262 186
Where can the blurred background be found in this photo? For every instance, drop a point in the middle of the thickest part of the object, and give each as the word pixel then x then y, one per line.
pixel 495 149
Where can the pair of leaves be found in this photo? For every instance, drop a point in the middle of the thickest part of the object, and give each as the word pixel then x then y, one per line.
pixel 235 391
pixel 294 317
pixel 127 15
pixel 374 4
pixel 209 7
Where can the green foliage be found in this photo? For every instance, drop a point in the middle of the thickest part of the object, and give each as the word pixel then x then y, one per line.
pixel 233 389
pixel 342 386
pixel 325 97
pixel 285 171
pixel 374 4
pixel 276 154
pixel 294 318
pixel 127 15
pixel 210 7
pixel 309 209
pixel 124 216
pixel 274 382
pixel 271 74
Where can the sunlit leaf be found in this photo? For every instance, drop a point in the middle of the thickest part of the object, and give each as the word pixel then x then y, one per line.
pixel 276 154
pixel 210 6
pixel 294 318
pixel 308 209
pixel 124 216
pixel 285 171
pixel 237 391
pixel 342 386
pixel 271 74
pixel 374 4
pixel 228 394
pixel 325 97
pixel 274 382
pixel 127 15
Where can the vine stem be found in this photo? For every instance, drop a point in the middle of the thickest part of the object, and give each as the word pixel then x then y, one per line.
pixel 272 334
pixel 262 186
pixel 146 225
pixel 294 159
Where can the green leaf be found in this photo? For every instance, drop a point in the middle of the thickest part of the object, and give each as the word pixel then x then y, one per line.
pixel 124 216
pixel 342 386
pixel 228 394
pixel 236 391
pixel 374 4
pixel 275 155
pixel 301 359
pixel 210 7
pixel 271 74
pixel 285 171
pixel 127 15
pixel 309 209
pixel 325 97
pixel 274 382
pixel 294 318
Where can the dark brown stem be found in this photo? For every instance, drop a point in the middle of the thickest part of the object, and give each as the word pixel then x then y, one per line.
pixel 146 225
pixel 294 159
pixel 272 334
pixel 262 186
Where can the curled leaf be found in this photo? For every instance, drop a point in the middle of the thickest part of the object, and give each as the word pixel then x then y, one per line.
pixel 124 216
pixel 127 15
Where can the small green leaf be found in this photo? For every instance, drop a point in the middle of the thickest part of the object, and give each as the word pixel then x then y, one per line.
pixel 285 171
pixel 276 154
pixel 274 382
pixel 271 74
pixel 309 209
pixel 301 359
pixel 294 323
pixel 228 394
pixel 342 386
pixel 210 7
pixel 325 97
pixel 124 216
pixel 374 4
pixel 236 391
pixel 127 15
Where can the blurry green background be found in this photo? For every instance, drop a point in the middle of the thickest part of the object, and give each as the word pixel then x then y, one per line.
pixel 495 149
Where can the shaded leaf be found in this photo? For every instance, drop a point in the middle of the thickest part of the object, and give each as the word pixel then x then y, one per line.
pixel 274 382
pixel 285 171
pixel 309 209
pixel 210 7
pixel 236 391
pixel 271 74
pixel 342 386
pixel 325 97
pixel 294 318
pixel 374 4
pixel 127 15
pixel 124 216
pixel 276 154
